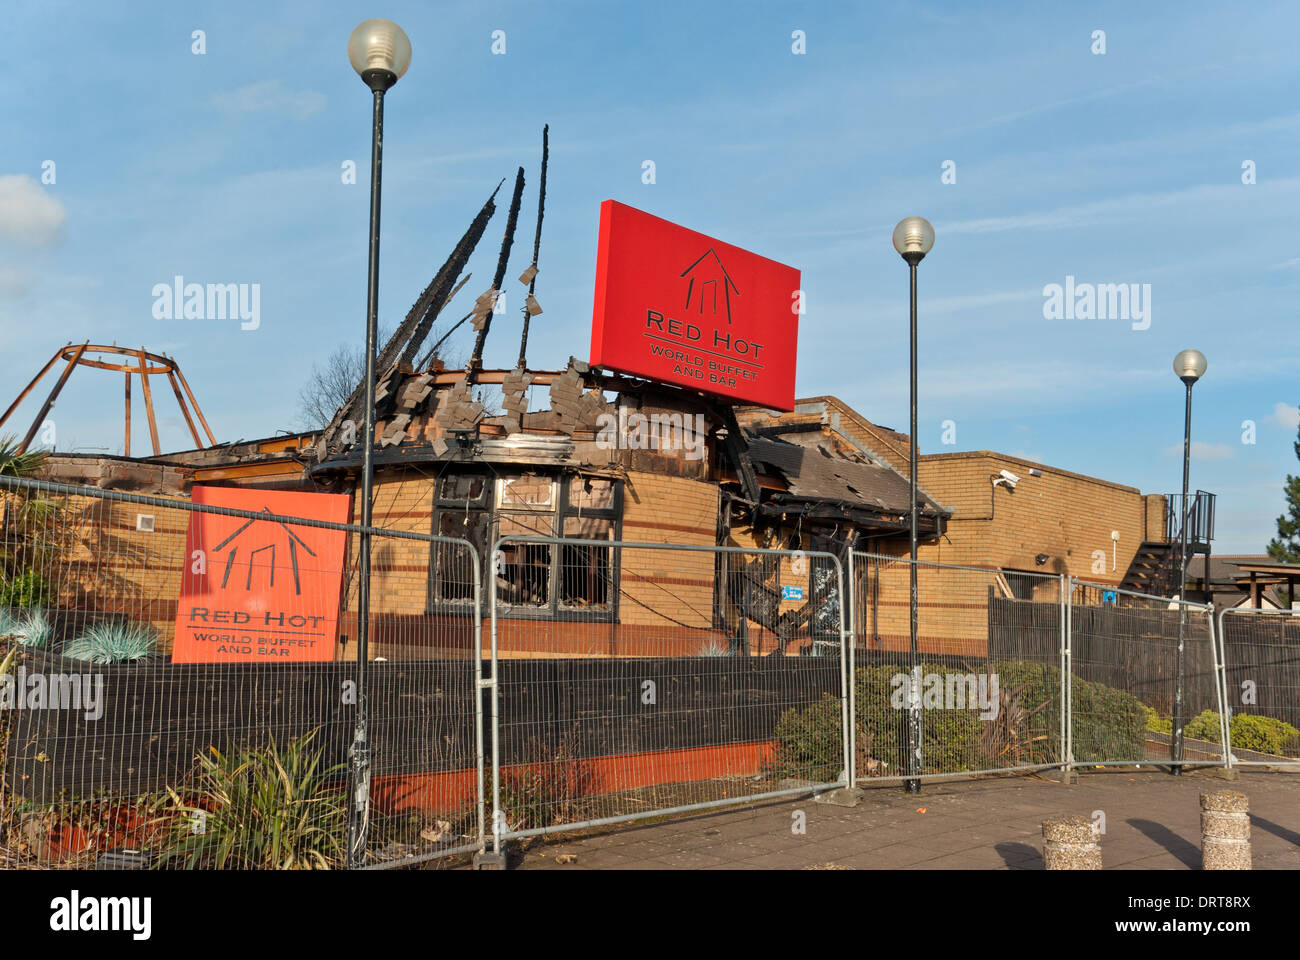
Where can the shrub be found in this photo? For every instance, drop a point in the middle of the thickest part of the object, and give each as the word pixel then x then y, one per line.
pixel 113 641
pixel 808 743
pixel 27 589
pixel 1248 731
pixel 268 809
pixel 1204 726
pixel 1108 724
pixel 1157 723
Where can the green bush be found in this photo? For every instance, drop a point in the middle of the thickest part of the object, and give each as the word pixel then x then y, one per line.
pixel 1204 726
pixel 1109 724
pixel 1248 731
pixel 1157 723
pixel 27 589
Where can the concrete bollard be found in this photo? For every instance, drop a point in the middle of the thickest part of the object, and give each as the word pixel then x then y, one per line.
pixel 1225 831
pixel 1070 843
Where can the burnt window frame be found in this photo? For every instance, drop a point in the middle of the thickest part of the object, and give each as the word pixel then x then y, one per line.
pixel 480 506
pixel 487 507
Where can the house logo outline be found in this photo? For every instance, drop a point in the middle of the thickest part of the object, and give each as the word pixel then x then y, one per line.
pixel 728 285
pixel 294 543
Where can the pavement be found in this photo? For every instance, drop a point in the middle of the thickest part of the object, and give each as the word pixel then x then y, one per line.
pixel 1151 821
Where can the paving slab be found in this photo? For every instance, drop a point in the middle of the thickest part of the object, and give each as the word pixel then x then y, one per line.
pixel 1152 822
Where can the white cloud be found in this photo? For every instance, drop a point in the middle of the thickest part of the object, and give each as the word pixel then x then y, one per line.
pixel 1203 451
pixel 29 214
pixel 1120 209
pixel 268 96
pixel 1285 415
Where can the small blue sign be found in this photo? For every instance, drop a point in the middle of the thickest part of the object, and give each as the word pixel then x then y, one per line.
pixel 1108 597
pixel 791 593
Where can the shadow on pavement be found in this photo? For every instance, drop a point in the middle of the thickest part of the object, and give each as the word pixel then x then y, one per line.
pixel 1020 856
pixel 1290 836
pixel 1187 853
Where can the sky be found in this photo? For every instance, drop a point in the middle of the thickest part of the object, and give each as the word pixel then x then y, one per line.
pixel 1162 151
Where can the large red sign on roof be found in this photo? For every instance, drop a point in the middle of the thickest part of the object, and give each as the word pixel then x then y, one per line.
pixel 683 308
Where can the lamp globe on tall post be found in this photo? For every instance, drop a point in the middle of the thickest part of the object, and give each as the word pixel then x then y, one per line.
pixel 381 53
pixel 913 239
pixel 1190 366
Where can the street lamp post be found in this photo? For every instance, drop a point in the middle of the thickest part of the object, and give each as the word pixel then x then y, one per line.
pixel 913 238
pixel 380 52
pixel 1190 366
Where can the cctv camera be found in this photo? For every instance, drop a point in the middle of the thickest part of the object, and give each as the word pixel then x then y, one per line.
pixel 1009 477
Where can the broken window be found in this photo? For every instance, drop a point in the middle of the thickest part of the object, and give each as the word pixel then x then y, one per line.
pixel 531 578
pixel 523 570
pixel 461 511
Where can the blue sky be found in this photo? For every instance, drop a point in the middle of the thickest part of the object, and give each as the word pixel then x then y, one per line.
pixel 1124 167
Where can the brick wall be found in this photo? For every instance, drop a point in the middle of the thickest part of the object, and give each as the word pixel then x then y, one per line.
pixel 1067 516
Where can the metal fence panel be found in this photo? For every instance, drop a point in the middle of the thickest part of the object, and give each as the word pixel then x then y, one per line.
pixel 988 674
pixel 1124 665
pixel 126 745
pixel 1261 685
pixel 662 678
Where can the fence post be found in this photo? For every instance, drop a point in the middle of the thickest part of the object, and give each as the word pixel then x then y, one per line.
pixel 494 860
pixel 848 639
pixel 1067 676
pixel 1064 651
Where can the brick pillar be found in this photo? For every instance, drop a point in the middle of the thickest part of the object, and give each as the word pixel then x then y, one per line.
pixel 1225 831
pixel 1070 843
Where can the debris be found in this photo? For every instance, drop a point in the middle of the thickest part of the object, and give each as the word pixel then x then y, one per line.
pixel 412 331
pixel 566 858
pixel 531 272
pixel 503 259
pixel 439 831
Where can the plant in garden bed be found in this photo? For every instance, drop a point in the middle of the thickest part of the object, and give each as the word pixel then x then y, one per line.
pixel 274 809
pixel 713 647
pixel 113 641
pixel 31 628
pixel 25 589
pixel 549 788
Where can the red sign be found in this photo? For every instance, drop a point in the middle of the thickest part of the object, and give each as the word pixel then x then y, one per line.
pixel 260 591
pixel 683 308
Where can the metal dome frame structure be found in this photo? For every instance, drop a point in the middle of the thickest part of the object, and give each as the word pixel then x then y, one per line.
pixel 140 364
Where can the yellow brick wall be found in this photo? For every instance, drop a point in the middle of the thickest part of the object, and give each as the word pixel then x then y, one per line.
pixel 663 586
pixel 1064 515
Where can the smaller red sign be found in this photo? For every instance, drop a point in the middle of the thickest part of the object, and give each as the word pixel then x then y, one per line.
pixel 684 308
pixel 260 590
